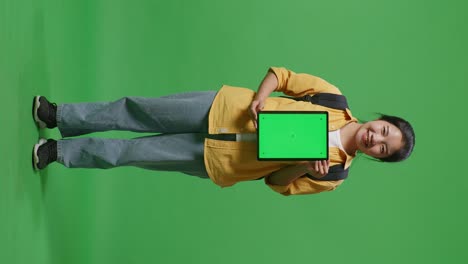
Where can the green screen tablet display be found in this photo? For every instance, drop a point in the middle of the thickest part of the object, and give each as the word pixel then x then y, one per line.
pixel 292 135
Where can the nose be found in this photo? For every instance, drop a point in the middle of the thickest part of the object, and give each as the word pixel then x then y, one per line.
pixel 376 139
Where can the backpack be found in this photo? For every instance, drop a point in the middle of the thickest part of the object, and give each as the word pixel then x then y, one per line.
pixel 336 101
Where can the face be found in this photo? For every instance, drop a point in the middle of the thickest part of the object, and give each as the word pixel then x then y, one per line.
pixel 378 139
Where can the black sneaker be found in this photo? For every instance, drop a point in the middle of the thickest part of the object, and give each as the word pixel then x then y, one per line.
pixel 44 112
pixel 44 153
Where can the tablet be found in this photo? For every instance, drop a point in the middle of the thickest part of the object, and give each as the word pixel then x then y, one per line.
pixel 292 135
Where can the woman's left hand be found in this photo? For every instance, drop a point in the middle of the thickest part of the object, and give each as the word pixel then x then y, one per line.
pixel 317 168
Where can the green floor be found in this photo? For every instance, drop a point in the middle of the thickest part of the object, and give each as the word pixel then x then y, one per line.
pixel 405 58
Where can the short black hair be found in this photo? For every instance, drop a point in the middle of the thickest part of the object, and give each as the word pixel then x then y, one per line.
pixel 408 135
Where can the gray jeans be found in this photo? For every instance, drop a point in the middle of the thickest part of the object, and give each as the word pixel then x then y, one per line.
pixel 182 118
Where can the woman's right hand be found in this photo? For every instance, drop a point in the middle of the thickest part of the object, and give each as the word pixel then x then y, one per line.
pixel 255 107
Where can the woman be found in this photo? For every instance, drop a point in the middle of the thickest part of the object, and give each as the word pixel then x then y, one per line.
pixel 212 134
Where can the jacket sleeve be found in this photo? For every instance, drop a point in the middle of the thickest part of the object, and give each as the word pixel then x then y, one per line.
pixel 300 84
pixel 305 185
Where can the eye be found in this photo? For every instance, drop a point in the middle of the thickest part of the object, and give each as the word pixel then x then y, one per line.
pixel 382 149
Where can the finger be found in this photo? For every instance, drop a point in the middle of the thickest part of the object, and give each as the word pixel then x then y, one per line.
pixel 254 112
pixel 252 116
pixel 322 171
pixel 253 107
pixel 316 168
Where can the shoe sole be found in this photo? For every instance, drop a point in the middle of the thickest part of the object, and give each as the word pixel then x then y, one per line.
pixel 35 157
pixel 36 106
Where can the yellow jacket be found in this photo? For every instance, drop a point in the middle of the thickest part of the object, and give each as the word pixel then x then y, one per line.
pixel 229 162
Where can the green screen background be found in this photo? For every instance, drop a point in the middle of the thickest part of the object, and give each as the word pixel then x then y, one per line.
pixel 404 58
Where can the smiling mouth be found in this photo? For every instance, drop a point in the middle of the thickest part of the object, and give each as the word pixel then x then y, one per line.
pixel 366 140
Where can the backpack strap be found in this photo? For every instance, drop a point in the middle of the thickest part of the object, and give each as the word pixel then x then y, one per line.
pixel 335 173
pixel 336 101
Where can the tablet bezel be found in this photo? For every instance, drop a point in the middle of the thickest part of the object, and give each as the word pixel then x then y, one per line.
pixel 259 114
